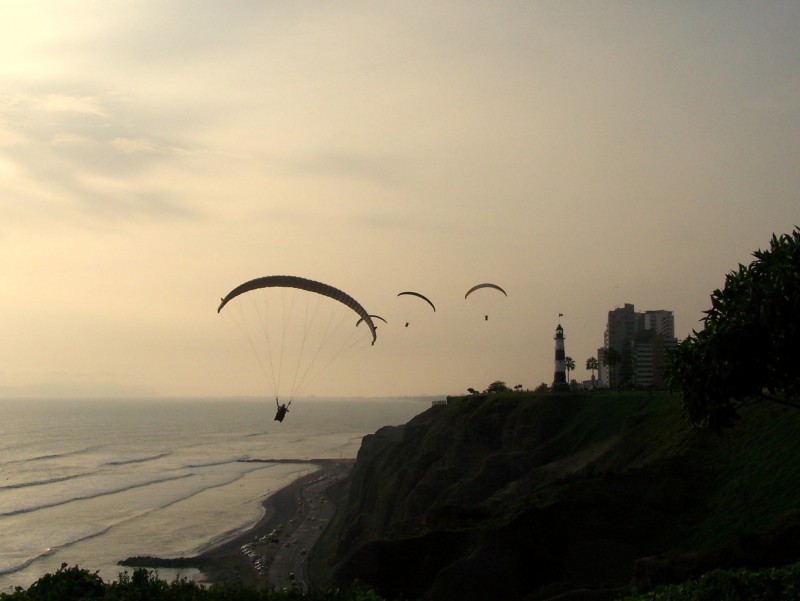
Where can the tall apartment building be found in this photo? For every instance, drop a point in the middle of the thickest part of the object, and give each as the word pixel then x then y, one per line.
pixel 660 322
pixel 620 328
pixel 642 341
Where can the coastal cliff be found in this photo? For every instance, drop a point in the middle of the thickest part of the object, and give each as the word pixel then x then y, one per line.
pixel 525 496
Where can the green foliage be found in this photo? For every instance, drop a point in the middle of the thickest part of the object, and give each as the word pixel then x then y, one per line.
pixel 75 584
pixel 772 584
pixel 66 583
pixel 750 478
pixel 748 347
pixel 756 472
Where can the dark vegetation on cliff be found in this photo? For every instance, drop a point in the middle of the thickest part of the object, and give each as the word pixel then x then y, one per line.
pixel 535 495
pixel 79 584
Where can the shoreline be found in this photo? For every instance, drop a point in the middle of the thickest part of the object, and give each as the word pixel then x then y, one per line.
pixel 225 562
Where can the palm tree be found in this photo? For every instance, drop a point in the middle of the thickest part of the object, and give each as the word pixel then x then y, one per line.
pixel 592 365
pixel 569 365
pixel 612 358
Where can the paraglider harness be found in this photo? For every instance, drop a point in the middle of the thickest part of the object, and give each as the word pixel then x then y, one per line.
pixel 282 410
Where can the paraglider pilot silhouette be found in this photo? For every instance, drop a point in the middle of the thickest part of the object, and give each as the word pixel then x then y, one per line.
pixel 282 410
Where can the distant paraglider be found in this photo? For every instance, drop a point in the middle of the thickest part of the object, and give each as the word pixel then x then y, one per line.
pixel 422 296
pixel 374 317
pixel 485 285
pixel 479 286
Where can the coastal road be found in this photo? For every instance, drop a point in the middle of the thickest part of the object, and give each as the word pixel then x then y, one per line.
pixel 314 512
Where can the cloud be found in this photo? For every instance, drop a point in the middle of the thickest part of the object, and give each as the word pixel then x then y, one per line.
pixel 66 103
pixel 555 149
pixel 384 170
pixel 76 157
pixel 137 145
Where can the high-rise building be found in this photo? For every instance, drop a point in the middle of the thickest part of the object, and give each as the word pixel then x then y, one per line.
pixel 641 341
pixel 649 350
pixel 620 329
pixel 661 322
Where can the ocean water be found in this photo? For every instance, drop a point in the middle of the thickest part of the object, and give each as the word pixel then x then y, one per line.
pixel 90 482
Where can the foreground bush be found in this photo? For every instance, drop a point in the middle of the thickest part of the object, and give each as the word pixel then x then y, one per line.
pixel 771 584
pixel 73 584
pixel 747 349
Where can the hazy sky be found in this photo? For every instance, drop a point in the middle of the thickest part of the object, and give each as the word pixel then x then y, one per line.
pixel 583 155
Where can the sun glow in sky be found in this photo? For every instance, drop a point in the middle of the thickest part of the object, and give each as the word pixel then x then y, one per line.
pixel 155 154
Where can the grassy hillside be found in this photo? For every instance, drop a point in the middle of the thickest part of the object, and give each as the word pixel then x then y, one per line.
pixel 754 469
pixel 554 492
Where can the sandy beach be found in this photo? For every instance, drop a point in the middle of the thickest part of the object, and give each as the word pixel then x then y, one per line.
pixel 245 558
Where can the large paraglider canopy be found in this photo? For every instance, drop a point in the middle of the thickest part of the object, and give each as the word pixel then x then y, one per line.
pixel 296 327
pixel 292 281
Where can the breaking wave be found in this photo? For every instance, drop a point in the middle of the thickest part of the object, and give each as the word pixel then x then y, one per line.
pixel 45 481
pixel 102 493
pixel 138 459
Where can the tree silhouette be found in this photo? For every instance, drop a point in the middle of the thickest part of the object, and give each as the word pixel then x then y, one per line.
pixel 592 365
pixel 748 348
pixel 498 386
pixel 569 365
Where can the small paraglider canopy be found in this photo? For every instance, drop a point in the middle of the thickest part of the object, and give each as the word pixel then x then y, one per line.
pixel 423 297
pixel 374 317
pixel 418 295
pixel 485 285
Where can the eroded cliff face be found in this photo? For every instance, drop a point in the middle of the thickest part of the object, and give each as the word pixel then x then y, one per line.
pixel 520 497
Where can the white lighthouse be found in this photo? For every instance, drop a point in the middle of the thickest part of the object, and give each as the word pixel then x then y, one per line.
pixel 560 375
